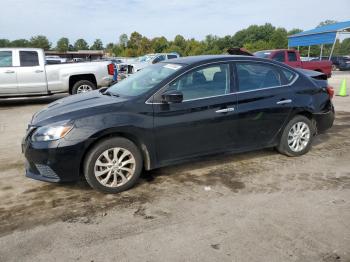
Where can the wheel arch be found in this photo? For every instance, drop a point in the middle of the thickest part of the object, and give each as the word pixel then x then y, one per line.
pixel 75 78
pixel 144 150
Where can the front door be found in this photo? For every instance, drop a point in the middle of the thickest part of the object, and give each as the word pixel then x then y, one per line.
pixel 8 73
pixel 31 74
pixel 200 123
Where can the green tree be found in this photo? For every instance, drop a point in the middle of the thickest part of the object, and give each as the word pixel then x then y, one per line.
pixel 326 22
pixel 145 46
pixel 81 44
pixel 40 41
pixel 279 38
pixel 294 31
pixel 20 43
pixel 134 41
pixel 258 45
pixel 159 44
pixel 63 44
pixel 345 47
pixel 97 45
pixel 180 41
pixel 5 43
pixel 123 40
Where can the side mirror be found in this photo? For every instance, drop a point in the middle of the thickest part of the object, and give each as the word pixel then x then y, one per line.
pixel 172 96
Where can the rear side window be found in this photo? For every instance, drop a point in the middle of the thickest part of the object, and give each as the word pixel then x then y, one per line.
pixel 29 58
pixel 252 76
pixel 5 58
pixel 279 57
pixel 292 57
pixel 172 56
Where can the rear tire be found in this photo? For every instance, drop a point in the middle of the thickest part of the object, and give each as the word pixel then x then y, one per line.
pixel 113 165
pixel 297 137
pixel 83 86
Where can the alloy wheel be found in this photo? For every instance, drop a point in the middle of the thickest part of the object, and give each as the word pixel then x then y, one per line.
pixel 114 167
pixel 84 89
pixel 299 136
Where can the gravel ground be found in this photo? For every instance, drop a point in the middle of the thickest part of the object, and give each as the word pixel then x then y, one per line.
pixel 257 206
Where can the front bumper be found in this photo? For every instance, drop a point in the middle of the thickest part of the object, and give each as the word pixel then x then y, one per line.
pixel 52 161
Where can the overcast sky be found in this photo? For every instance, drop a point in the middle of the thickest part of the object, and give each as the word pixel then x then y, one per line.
pixel 107 19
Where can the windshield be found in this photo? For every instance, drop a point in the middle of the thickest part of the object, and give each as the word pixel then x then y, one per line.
pixel 262 54
pixel 145 58
pixel 144 80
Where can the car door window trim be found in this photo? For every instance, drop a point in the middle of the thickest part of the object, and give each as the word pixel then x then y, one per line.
pixel 233 93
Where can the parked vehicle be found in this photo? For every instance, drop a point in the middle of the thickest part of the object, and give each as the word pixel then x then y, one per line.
pixel 344 64
pixel 336 60
pixel 55 59
pixel 173 111
pixel 23 73
pixel 150 59
pixel 292 58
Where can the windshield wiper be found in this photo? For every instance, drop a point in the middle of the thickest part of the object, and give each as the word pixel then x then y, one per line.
pixel 109 93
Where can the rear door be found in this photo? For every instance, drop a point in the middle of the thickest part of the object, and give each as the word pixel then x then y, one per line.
pixel 264 101
pixel 202 122
pixel 31 75
pixel 8 73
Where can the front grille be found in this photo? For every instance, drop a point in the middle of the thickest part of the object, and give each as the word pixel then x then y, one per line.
pixel 46 171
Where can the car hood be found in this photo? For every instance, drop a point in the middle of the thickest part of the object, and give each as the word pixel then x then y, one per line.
pixel 77 106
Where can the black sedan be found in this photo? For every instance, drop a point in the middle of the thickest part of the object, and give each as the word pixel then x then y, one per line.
pixel 175 111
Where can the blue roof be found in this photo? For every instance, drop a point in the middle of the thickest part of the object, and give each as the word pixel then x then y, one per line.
pixel 320 35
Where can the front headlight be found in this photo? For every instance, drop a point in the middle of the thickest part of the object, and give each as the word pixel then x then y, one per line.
pixel 51 132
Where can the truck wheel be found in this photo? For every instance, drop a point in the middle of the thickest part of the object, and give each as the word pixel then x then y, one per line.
pixel 113 165
pixel 83 86
pixel 297 137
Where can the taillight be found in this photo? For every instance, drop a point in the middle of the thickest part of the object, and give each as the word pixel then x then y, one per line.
pixel 110 68
pixel 330 91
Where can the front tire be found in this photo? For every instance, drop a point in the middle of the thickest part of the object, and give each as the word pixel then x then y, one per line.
pixel 83 86
pixel 113 165
pixel 297 137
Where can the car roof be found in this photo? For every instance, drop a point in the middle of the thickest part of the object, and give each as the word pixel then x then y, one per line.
pixel 189 60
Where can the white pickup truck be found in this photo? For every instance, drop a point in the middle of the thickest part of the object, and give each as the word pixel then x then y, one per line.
pixel 23 72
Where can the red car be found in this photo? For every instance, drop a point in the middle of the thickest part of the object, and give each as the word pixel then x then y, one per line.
pixel 292 58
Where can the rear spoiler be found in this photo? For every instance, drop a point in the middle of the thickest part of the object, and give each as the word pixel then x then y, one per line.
pixel 313 74
pixel 239 51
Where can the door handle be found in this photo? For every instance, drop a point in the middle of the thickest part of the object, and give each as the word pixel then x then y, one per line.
pixel 9 72
pixel 225 110
pixel 39 71
pixel 284 101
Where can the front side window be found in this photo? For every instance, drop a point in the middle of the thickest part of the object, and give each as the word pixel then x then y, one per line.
pixel 209 81
pixel 279 57
pixel 29 58
pixel 5 58
pixel 144 80
pixel 252 76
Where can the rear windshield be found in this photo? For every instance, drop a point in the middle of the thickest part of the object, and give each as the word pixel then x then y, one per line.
pixel 262 54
